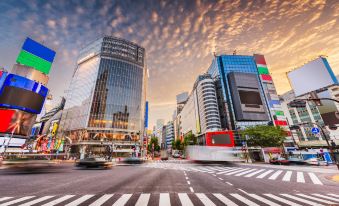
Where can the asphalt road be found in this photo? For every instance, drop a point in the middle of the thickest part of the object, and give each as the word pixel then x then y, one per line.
pixel 171 183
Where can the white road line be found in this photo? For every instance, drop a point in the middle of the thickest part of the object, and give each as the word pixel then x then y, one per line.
pixel 229 183
pixel 184 199
pixel 5 198
pixel 254 173
pixel 314 178
pixel 228 170
pixel 301 200
pixel 79 200
pixel 316 199
pixel 275 175
pixel 204 199
pixel 265 174
pixel 101 200
pixel 191 189
pixel 334 195
pixel 188 182
pixel 17 201
pixel 143 200
pixel 282 200
pixel 244 200
pixel 243 173
pixel 264 200
pixel 59 200
pixel 287 176
pixel 326 197
pixel 37 201
pixel 236 171
pixel 224 199
pixel 122 200
pixel 300 177
pixel 164 199
pixel 186 178
pixel 220 178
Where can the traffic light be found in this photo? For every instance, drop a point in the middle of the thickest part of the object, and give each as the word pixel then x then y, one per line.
pixel 297 103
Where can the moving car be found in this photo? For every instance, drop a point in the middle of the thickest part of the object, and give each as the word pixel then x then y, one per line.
pixel 94 162
pixel 279 161
pixel 316 161
pixel 296 160
pixel 176 154
pixel 28 165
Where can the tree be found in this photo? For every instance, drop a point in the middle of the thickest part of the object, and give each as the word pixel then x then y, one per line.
pixel 154 140
pixel 177 144
pixel 264 136
pixel 190 139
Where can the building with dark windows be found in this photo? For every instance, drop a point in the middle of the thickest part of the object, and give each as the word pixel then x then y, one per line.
pixel 106 97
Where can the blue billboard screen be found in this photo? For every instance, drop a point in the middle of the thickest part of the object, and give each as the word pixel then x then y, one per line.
pixel 24 83
pixel 146 115
pixel 38 50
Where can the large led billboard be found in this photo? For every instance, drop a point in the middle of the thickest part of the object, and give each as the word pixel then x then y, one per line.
pixel 328 109
pixel 312 76
pixel 16 122
pixel 14 80
pixel 36 55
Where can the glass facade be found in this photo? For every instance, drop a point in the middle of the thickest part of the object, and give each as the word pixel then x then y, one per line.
pixel 106 97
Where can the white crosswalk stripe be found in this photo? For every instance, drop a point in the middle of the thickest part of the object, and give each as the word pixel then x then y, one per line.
pixel 143 200
pixel 245 172
pixel 101 200
pixel 230 199
pixel 5 198
pixel 236 171
pixel 254 173
pixel 287 176
pixel 275 175
pixel 41 199
pixel 300 177
pixel 314 178
pixel 265 174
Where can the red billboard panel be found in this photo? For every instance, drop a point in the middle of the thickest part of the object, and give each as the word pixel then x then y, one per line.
pixel 220 138
pixel 18 122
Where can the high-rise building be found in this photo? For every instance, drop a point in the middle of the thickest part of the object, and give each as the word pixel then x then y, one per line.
pixel 106 99
pixel 169 134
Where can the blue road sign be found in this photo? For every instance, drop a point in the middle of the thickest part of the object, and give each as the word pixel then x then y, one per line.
pixel 315 130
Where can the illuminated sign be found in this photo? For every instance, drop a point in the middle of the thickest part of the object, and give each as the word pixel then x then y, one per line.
pixel 15 121
pixel 14 80
pixel 3 76
pixel 34 54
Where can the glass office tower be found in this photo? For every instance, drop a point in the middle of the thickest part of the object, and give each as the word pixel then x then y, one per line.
pixel 106 97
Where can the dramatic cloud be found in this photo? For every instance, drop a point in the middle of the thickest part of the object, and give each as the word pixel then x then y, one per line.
pixel 180 37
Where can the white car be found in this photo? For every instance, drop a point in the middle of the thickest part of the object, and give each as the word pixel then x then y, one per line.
pixel 316 161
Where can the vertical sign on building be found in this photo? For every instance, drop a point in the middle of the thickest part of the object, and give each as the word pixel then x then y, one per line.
pixel 146 115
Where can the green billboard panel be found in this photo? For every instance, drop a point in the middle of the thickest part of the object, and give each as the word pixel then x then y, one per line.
pixel 31 60
pixel 263 70
pixel 279 113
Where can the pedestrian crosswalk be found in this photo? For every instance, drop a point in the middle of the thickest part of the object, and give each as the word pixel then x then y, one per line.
pixel 248 172
pixel 168 199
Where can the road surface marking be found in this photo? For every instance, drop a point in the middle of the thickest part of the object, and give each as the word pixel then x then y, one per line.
pixel 265 174
pixel 327 197
pixel 101 200
pixel 243 173
pixel 229 183
pixel 186 178
pixel 254 173
pixel 316 199
pixel 301 200
pixel 236 171
pixel 204 199
pixel 143 200
pixel 228 170
pixel 37 201
pixel 164 199
pixel 17 201
pixel 191 189
pixel 300 177
pixel 244 200
pixel 59 200
pixel 79 200
pixel 287 176
pixel 275 175
pixel 188 182
pixel 264 200
pixel 224 199
pixel 282 200
pixel 122 200
pixel 334 195
pixel 314 178
pixel 220 178
pixel 184 199
pixel 5 198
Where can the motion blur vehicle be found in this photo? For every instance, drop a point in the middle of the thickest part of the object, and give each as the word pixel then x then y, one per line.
pixel 133 160
pixel 94 162
pixel 176 154
pixel 163 155
pixel 296 160
pixel 279 161
pixel 316 161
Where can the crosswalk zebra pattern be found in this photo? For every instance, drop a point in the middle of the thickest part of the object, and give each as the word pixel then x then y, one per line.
pixel 256 173
pixel 185 199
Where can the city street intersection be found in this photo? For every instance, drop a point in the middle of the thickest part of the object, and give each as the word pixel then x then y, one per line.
pixel 173 182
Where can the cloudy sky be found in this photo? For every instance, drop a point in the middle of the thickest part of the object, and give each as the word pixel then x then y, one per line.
pixel 179 36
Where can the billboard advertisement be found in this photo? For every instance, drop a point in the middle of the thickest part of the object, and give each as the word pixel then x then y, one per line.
pixel 30 73
pixel 328 109
pixel 3 76
pixel 14 80
pixel 36 55
pixel 18 122
pixel 312 76
pixel 247 100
